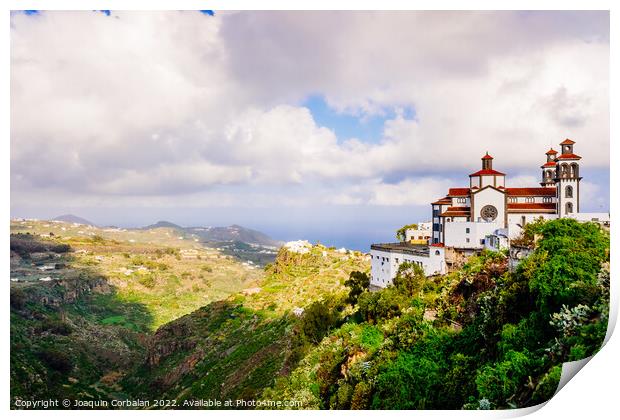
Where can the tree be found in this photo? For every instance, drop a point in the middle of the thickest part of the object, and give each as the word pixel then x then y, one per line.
pixel 358 282
pixel 401 233
pixel 318 318
pixel 566 264
pixel 409 278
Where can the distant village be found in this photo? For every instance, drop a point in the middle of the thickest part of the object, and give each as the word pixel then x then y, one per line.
pixel 488 214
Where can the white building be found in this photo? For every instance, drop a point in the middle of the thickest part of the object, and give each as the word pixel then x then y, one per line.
pixel 422 234
pixel 488 214
pixel 386 258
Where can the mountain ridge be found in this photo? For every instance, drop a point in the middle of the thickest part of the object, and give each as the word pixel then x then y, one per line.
pixel 72 218
pixel 230 233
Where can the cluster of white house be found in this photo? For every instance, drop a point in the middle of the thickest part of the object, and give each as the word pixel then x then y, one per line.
pixel 487 214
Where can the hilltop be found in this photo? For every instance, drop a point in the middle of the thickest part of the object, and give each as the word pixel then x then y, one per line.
pixel 70 218
pixel 162 224
pixel 233 233
pixel 210 234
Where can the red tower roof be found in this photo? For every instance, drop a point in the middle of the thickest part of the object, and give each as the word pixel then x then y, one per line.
pixel 487 172
pixel 551 152
pixel 568 156
pixel 567 141
pixel 487 156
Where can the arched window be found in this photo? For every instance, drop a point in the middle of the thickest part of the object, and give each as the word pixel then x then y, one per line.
pixel 564 170
pixel 574 170
pixel 568 192
pixel 569 208
pixel 549 174
pixel 437 252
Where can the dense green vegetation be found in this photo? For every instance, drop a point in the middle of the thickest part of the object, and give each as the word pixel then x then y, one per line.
pixel 120 321
pixel 234 348
pixel 479 338
pixel 64 344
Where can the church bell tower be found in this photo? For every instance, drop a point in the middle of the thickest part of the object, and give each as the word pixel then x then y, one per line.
pixel 567 179
pixel 548 170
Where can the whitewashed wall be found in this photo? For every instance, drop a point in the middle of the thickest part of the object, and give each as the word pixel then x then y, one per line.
pixel 489 196
pixel 457 236
pixel 384 265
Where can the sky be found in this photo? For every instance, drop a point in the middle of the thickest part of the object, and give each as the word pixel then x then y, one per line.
pixel 337 127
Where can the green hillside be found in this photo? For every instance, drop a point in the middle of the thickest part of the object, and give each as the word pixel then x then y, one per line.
pixel 479 338
pixel 109 314
pixel 233 349
pixel 85 300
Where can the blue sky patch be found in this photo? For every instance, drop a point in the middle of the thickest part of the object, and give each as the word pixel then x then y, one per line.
pixel 207 12
pixel 367 129
pixel 31 12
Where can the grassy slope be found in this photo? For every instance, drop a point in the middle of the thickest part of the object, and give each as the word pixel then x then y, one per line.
pixel 235 348
pixel 78 335
pixel 169 274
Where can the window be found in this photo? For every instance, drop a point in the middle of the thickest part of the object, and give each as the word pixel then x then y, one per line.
pixel 481 241
pixel 466 230
pixel 435 213
pixel 529 199
pixel 461 200
pixel 547 199
pixel 436 227
pixel 568 191
pixel 569 207
pixel 467 240
pixel 512 199
pixel 396 260
pixel 437 252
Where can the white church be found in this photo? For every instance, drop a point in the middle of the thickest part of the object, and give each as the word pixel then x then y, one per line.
pixel 487 214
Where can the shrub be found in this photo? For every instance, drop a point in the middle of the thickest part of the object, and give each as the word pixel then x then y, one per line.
pixel 317 320
pixel 358 282
pixel 385 304
pixel 410 382
pixel 361 396
pixel 500 381
pixel 56 360
pixel 147 280
pixel 56 326
pixel 410 278
pixel 18 299
pixel 547 385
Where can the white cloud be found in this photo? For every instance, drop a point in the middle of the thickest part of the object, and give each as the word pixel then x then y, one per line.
pixel 166 103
